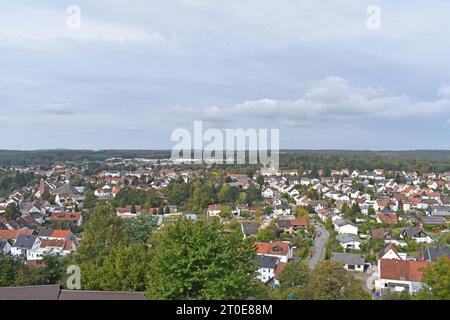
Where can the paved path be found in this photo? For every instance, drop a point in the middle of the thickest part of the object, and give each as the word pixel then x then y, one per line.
pixel 319 245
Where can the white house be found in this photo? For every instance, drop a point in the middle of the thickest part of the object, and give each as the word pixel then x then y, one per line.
pixel 267 193
pixel 343 226
pixel 266 267
pixel 23 244
pixel 349 241
pixel 418 235
pixel 400 275
pixel 350 261
pixel 278 249
pixel 213 210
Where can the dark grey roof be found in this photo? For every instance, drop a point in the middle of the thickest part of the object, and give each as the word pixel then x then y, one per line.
pixel 13 224
pixel 413 232
pixel 100 295
pixel 432 254
pixel 3 243
pixel 348 258
pixel 66 189
pixel 46 292
pixel 284 223
pixel 433 220
pixel 35 215
pixel 266 261
pixel 346 237
pixel 25 241
pixel 249 228
pixel 47 232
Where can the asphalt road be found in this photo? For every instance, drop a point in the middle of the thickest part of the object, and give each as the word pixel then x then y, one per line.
pixel 319 245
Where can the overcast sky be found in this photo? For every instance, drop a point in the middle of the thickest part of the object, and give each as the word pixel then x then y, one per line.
pixel 137 70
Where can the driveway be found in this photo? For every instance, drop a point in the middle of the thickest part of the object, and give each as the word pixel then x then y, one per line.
pixel 319 245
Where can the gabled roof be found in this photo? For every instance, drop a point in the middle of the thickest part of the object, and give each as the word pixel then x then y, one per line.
pixel 265 261
pixel 406 270
pixel 25 241
pixel 65 216
pixel 411 232
pixel 12 234
pixel 388 247
pixel 249 228
pixel 66 190
pixel 348 258
pixel 276 248
pixel 432 254
pixel 346 237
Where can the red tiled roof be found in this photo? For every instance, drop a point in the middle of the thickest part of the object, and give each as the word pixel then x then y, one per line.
pixel 12 234
pixel 278 248
pixel 52 243
pixel 61 234
pixel 402 269
pixel 65 216
pixel 299 222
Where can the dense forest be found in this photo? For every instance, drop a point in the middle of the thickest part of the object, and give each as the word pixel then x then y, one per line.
pixel 10 181
pixel 417 160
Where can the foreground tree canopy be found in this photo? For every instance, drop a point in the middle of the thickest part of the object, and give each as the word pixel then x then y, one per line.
pixel 201 261
pixel 436 281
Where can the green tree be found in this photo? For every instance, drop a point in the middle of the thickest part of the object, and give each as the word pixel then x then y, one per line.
pixel 436 281
pixel 253 195
pixel 260 180
pixel 12 212
pixel 295 275
pixel 301 212
pixel 268 234
pixel 89 199
pixel 124 269
pixel 139 229
pixel 54 270
pixel 8 270
pixel 329 281
pixel 103 233
pixel 197 260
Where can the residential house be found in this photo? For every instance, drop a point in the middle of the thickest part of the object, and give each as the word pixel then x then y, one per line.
pixel 418 235
pixel 433 254
pixel 350 261
pixel 266 267
pixel 343 226
pixel 433 221
pixel 349 241
pixel 23 244
pixel 213 210
pixel 386 218
pixel 278 249
pixel 299 224
pixel 129 212
pixel 281 210
pixel 5 246
pixel 71 217
pixel 400 275
pixel 267 193
pixel 249 228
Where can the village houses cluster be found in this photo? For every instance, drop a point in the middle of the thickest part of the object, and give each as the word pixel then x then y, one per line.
pixel 397 208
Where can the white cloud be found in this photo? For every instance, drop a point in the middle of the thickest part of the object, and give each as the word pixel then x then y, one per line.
pixel 328 99
pixel 58 109
pixel 42 28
